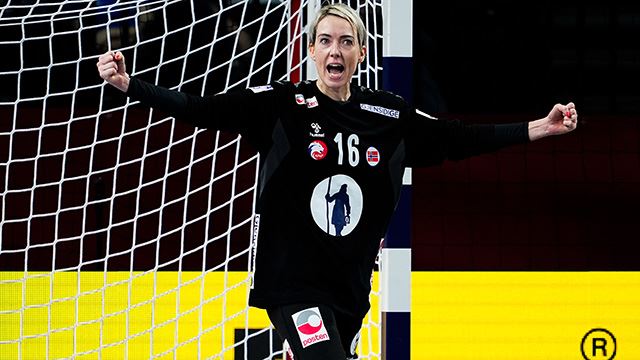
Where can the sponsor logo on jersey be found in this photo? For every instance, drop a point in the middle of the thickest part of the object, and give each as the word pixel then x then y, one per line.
pixel 336 205
pixel 258 89
pixel 381 110
pixel 316 128
pixel 373 156
pixel 300 99
pixel 317 149
pixel 310 326
pixel 312 102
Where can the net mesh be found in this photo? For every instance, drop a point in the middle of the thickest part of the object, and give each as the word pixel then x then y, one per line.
pixel 124 234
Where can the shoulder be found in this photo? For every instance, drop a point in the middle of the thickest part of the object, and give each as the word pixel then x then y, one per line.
pixel 380 97
pixel 381 102
pixel 277 86
pixel 286 87
pixel 307 87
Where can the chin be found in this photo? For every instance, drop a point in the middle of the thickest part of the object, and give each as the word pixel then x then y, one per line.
pixel 336 83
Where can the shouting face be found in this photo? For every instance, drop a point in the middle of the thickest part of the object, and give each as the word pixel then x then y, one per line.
pixel 337 53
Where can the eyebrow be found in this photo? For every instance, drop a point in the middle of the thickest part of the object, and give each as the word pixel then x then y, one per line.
pixel 341 36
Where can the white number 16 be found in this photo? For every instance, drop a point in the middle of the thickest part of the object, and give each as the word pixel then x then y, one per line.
pixel 352 142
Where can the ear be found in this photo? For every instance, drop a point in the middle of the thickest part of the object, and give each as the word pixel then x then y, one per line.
pixel 312 51
pixel 363 54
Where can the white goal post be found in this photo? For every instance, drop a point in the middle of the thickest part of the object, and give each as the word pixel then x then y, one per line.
pixel 124 234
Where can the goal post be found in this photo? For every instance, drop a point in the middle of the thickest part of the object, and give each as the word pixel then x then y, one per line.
pixel 395 272
pixel 125 234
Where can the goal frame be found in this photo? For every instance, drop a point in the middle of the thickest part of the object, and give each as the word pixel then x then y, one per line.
pixel 395 272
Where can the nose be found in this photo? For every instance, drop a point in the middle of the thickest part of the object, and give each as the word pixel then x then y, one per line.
pixel 334 50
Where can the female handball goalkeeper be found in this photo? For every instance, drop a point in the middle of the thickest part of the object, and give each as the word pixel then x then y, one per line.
pixel 327 144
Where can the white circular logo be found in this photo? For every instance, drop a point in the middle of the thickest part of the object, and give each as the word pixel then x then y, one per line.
pixel 314 320
pixel 336 205
pixel 373 156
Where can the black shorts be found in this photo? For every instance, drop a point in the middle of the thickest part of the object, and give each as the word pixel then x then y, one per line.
pixel 315 331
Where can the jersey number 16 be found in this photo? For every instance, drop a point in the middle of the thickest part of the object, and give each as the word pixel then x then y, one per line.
pixel 352 149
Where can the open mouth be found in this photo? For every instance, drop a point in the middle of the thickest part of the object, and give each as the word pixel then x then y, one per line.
pixel 335 69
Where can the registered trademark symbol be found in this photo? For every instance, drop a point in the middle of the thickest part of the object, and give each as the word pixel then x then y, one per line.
pixel 598 344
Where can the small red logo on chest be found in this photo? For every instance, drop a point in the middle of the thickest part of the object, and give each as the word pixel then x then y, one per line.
pixel 317 150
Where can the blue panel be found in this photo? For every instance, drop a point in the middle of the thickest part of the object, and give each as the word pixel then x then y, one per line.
pixel 399 231
pixel 397 76
pixel 396 339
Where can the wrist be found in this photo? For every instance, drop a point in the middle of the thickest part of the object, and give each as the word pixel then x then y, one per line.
pixel 124 86
pixel 538 129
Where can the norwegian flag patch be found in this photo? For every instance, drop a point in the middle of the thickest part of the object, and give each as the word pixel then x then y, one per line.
pixel 373 156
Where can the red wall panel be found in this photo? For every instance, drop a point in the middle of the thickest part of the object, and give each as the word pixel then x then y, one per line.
pixel 570 202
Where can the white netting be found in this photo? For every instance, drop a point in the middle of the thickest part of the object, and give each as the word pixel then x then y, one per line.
pixel 124 234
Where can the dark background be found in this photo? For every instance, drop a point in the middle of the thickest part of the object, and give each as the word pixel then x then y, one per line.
pixel 564 203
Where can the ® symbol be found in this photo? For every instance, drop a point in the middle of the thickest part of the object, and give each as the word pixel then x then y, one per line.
pixel 598 344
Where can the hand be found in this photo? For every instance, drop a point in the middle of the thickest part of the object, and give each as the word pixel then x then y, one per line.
pixel 561 120
pixel 112 68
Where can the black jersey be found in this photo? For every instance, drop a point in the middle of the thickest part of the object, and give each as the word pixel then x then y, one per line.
pixel 330 178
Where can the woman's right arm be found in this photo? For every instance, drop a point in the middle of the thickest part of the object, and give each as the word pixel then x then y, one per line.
pixel 112 68
pixel 235 112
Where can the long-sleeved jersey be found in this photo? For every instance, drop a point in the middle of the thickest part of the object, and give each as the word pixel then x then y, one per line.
pixel 330 178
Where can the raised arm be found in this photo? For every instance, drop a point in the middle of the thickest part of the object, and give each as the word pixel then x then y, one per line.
pixel 113 69
pixel 224 111
pixel 431 141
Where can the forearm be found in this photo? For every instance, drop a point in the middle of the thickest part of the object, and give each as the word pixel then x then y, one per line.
pixel 226 112
pixel 481 139
pixel 433 141
pixel 538 129
pixel 157 97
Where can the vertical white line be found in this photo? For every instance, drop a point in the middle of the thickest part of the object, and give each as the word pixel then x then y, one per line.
pixel 25 273
pixel 312 10
pixel 398 28
pixel 163 192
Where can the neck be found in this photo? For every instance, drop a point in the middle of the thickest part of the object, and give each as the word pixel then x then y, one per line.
pixel 341 94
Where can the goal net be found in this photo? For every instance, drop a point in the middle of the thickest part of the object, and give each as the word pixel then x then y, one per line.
pixel 124 234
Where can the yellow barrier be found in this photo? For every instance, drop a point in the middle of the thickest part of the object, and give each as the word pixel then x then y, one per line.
pixel 102 317
pixel 455 315
pixel 525 315
pixel 49 305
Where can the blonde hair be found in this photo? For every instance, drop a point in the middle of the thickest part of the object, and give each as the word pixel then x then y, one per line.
pixel 342 11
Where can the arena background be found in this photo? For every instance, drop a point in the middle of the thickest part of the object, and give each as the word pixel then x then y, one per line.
pixel 567 203
pixel 523 251
pixel 519 254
